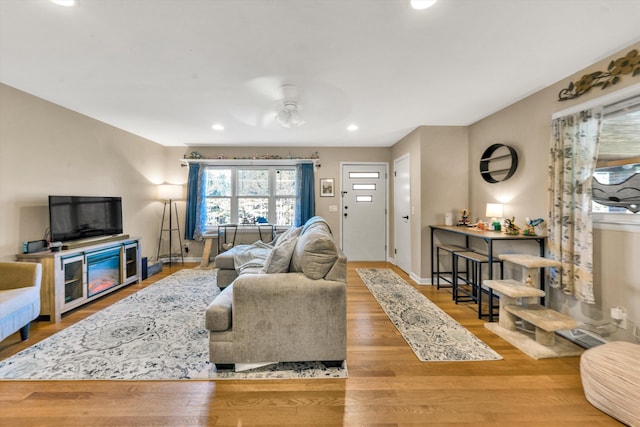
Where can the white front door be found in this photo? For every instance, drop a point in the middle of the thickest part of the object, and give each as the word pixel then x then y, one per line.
pixel 364 211
pixel 402 212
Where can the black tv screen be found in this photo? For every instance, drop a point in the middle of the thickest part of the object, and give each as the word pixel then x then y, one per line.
pixel 84 217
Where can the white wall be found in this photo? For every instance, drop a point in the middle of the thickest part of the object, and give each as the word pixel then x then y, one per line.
pixel 439 184
pixel 46 149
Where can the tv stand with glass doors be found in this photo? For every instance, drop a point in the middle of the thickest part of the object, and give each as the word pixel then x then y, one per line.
pixel 74 277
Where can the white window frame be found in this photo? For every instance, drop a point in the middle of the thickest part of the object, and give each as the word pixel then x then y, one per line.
pixel 235 197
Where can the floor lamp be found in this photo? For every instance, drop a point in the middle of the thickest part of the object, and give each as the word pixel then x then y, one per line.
pixel 169 193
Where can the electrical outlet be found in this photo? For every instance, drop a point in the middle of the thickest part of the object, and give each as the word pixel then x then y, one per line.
pixel 619 317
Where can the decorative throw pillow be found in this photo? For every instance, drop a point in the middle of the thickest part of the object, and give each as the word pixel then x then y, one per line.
pixel 280 257
pixel 286 235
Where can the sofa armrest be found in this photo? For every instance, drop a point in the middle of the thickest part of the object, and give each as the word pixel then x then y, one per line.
pixel 15 275
pixel 289 317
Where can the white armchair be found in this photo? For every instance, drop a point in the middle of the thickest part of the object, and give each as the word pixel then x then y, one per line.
pixel 19 297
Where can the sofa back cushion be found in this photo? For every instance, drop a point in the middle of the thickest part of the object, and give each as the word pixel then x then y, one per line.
pixel 316 223
pixel 338 271
pixel 315 253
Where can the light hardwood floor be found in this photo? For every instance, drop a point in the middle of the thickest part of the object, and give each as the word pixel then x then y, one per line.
pixel 387 385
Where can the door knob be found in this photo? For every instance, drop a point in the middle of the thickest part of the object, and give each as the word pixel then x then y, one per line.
pixel 405 217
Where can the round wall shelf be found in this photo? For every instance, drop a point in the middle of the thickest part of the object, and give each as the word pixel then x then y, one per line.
pixel 498 163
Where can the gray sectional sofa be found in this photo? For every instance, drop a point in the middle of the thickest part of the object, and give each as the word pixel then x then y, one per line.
pixel 287 303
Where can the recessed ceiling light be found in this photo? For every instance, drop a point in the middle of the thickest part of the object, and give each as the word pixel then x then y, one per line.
pixel 422 4
pixel 217 126
pixel 65 3
pixel 352 128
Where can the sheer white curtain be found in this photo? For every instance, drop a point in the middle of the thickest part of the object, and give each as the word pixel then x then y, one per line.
pixel 573 155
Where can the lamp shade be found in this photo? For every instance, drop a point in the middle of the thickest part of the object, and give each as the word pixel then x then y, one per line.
pixel 494 210
pixel 170 192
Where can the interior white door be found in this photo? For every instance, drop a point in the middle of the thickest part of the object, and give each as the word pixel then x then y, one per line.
pixel 364 211
pixel 402 213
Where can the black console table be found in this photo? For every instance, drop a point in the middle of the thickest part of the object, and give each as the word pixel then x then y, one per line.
pixel 489 237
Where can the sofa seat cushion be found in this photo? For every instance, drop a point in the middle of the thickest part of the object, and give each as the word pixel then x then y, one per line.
pixel 225 259
pixel 14 300
pixel 218 314
pixel 224 277
pixel 250 270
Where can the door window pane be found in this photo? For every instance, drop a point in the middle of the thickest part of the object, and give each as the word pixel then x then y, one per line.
pixel 364 174
pixel 364 186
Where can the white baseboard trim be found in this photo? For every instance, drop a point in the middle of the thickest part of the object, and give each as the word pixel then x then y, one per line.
pixel 420 280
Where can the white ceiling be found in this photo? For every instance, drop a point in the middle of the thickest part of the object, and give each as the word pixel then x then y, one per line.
pixel 168 69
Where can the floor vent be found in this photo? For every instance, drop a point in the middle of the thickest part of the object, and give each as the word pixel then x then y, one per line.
pixel 585 339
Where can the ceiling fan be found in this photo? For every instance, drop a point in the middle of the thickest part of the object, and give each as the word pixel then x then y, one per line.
pixel 275 103
pixel 289 115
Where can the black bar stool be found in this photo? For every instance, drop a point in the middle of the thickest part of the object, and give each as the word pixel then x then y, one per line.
pixel 449 250
pixel 472 278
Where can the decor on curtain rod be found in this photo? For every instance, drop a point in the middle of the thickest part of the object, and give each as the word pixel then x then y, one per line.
pixel 169 194
pixel 198 157
pixel 573 155
pixel 628 64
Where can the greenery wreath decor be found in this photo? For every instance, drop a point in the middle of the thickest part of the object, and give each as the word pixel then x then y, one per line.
pixel 628 64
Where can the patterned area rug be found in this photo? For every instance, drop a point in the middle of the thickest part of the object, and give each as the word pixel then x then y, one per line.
pixel 157 333
pixel 432 334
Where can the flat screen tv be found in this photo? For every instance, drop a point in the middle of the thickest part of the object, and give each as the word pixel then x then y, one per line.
pixel 84 217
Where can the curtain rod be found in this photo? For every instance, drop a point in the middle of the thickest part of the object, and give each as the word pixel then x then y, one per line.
pixel 250 162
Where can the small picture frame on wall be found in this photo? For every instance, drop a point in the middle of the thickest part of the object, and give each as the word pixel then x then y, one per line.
pixel 327 187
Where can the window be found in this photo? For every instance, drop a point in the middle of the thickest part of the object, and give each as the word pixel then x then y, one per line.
pixel 249 195
pixel 218 193
pixel 618 167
